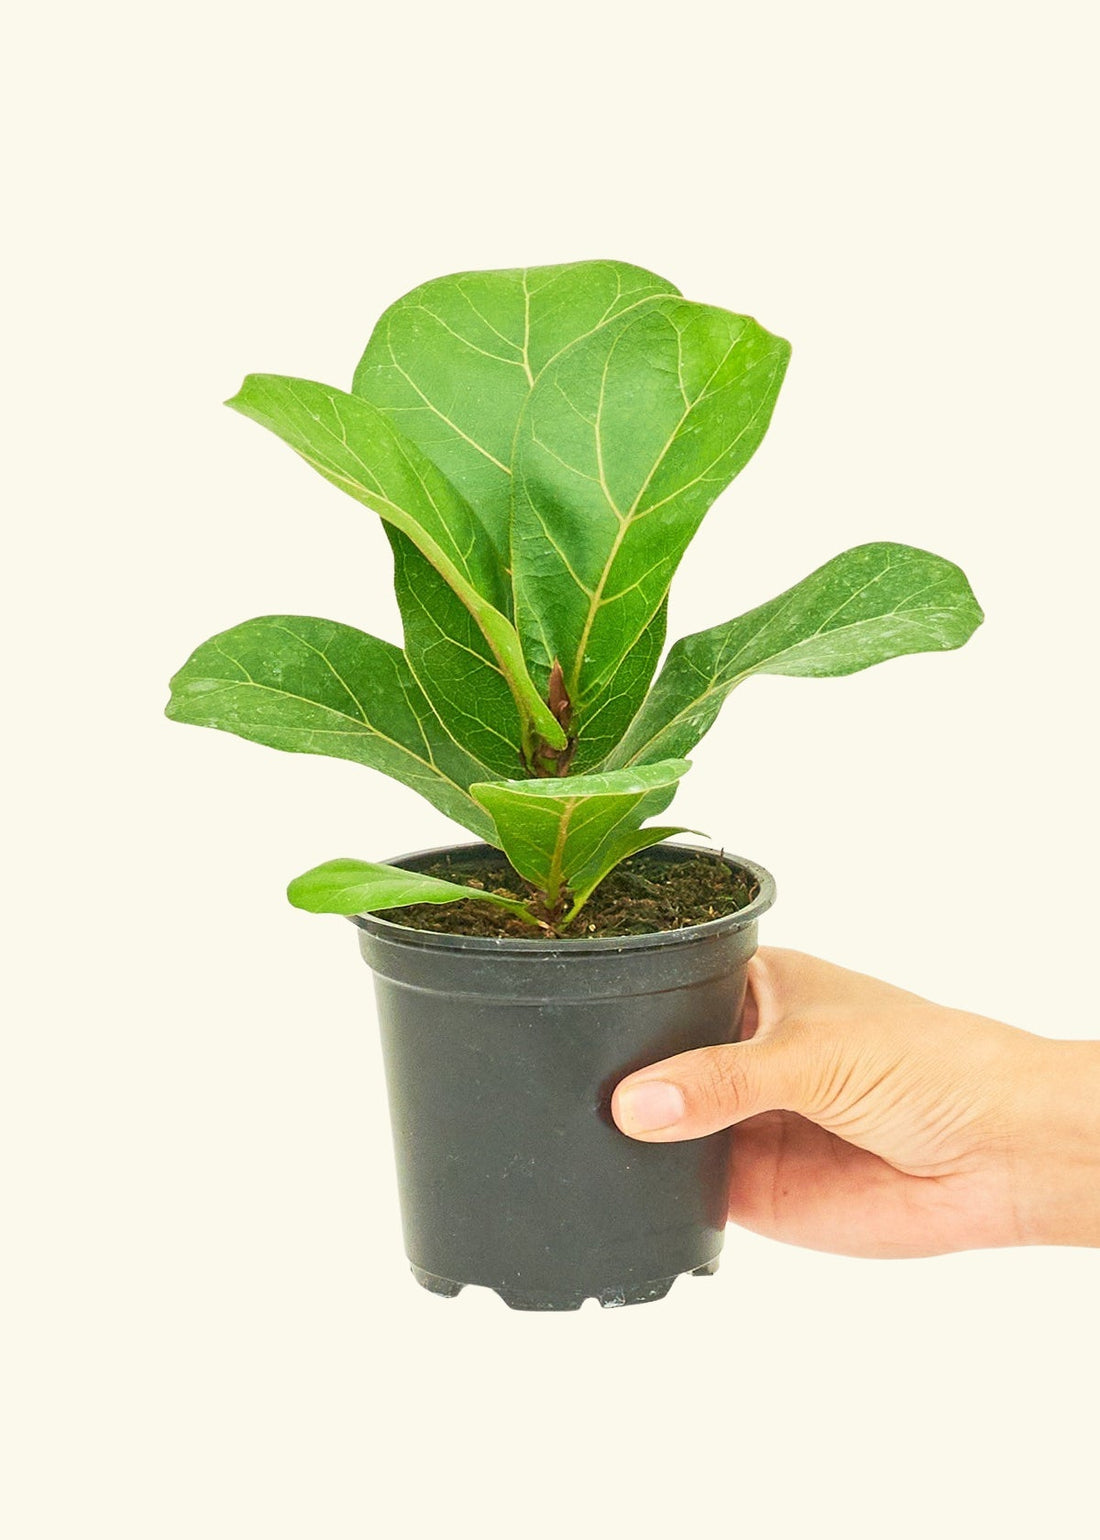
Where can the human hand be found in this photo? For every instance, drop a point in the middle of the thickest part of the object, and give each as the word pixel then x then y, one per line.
pixel 874 1123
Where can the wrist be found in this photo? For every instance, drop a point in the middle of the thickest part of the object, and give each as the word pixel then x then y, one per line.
pixel 1057 1158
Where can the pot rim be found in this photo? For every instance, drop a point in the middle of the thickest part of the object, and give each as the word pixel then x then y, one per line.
pixel 441 941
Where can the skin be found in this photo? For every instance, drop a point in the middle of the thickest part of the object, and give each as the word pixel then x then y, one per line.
pixel 874 1123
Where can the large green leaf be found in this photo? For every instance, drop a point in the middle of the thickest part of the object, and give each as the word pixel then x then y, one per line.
pixel 316 687
pixel 452 363
pixel 871 603
pixel 358 887
pixel 453 663
pixel 557 831
pixel 356 448
pixel 628 437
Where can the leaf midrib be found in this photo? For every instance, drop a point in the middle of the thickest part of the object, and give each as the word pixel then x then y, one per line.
pixel 627 520
pixel 715 686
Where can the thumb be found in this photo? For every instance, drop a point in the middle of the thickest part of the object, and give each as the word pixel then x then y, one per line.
pixel 705 1089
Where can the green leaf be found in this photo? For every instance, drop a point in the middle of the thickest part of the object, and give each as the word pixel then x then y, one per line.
pixel 871 603
pixel 452 363
pixel 453 663
pixel 555 831
pixel 627 439
pixel 614 850
pixel 358 449
pixel 451 366
pixel 316 687
pixel 360 887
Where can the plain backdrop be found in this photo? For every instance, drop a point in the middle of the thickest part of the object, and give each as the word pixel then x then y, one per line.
pixel 209 1327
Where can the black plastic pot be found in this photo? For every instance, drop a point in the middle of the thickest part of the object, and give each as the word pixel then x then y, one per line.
pixel 500 1059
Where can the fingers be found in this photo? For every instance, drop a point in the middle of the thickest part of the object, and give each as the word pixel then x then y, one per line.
pixel 795 1182
pixel 795 985
pixel 750 1014
pixel 775 987
pixel 789 984
pixel 706 1089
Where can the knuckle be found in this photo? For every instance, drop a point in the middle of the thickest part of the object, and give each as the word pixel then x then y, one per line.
pixel 822 1059
pixel 723 1085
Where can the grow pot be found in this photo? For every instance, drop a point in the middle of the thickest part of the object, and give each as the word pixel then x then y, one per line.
pixel 500 1059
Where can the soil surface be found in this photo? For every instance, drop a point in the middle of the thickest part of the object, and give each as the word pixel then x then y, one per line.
pixel 646 893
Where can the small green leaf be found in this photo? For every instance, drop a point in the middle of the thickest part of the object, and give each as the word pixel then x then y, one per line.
pixel 360 887
pixel 627 439
pixel 356 448
pixel 614 850
pixel 554 831
pixel 316 687
pixel 869 604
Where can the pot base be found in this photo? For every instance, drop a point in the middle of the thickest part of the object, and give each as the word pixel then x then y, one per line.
pixel 610 1298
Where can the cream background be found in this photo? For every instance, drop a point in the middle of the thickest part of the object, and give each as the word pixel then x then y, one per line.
pixel 208 1327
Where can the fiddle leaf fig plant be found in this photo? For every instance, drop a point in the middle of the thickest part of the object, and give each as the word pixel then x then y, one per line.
pixel 541 445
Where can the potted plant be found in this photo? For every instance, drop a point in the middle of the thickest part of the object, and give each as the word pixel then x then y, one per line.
pixel 541 445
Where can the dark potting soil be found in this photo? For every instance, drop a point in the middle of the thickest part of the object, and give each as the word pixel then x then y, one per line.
pixel 646 893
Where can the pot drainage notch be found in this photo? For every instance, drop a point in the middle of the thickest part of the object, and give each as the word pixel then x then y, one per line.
pixel 525 1299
